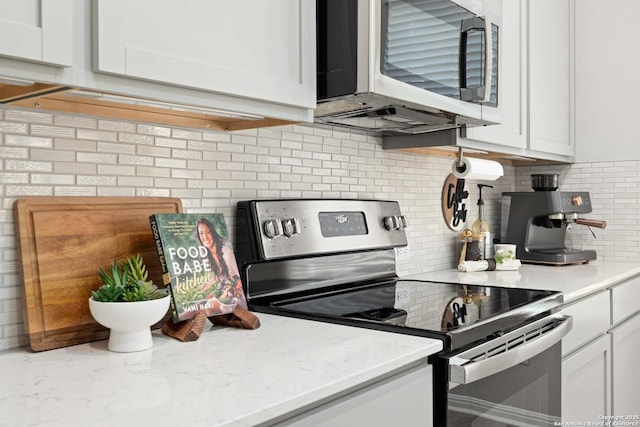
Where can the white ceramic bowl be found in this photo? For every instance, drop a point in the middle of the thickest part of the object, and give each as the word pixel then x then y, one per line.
pixel 129 322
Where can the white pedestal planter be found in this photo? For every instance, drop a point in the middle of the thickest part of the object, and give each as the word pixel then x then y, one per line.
pixel 129 322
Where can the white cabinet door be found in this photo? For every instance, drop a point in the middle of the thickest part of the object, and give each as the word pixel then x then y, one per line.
pixel 258 49
pixel 591 319
pixel 535 86
pixel 626 375
pixel 550 90
pixel 606 63
pixel 624 300
pixel 37 30
pixel 586 388
pixel 402 400
pixel 512 81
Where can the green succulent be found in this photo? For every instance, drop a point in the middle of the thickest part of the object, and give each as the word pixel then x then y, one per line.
pixel 126 282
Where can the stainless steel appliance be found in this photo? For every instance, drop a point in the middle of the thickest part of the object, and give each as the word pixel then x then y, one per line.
pixel 399 67
pixel 537 222
pixel 334 261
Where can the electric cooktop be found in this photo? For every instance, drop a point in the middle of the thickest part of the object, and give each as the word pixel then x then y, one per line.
pixel 458 314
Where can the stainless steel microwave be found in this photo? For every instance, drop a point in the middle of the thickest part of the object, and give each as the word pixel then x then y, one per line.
pixel 408 66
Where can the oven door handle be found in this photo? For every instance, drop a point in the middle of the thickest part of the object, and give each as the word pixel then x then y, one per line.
pixel 463 371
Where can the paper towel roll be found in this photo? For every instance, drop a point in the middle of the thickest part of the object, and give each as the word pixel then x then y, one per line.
pixel 472 168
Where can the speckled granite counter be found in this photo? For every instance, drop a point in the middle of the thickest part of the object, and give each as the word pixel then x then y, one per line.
pixel 229 377
pixel 575 281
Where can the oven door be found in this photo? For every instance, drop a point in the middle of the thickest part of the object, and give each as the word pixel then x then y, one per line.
pixel 513 380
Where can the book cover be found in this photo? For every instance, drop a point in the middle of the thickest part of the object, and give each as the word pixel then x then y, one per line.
pixel 198 264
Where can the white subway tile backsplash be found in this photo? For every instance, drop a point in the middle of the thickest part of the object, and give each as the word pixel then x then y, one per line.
pixel 99 158
pixel 16 191
pixel 74 145
pixel 135 181
pixel 97 181
pixel 56 179
pixel 109 147
pixel 186 154
pixel 14 178
pixel 186 134
pixel 170 182
pixel 135 138
pixel 212 174
pixel 74 167
pixel 153 192
pixel 211 170
pixel 76 121
pixel 170 142
pixel 79 191
pixel 107 124
pixel 27 141
pixel 153 130
pixel 52 131
pixel 15 128
pixel 17 115
pixel 27 166
pixel 162 162
pixel 108 192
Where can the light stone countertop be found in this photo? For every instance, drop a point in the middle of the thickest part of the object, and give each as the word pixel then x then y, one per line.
pixel 228 377
pixel 236 377
pixel 574 281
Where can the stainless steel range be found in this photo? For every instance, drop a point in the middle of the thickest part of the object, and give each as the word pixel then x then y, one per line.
pixel 334 261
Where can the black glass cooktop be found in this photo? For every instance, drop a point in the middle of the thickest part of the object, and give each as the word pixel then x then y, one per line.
pixel 458 314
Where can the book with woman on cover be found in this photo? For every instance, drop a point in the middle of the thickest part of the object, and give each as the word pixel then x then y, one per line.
pixel 198 264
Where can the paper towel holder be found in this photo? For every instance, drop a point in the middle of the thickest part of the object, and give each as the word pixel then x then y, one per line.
pixel 483 169
pixel 459 165
pixel 460 162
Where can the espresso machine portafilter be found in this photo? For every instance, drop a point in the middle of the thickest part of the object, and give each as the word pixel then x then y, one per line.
pixel 537 222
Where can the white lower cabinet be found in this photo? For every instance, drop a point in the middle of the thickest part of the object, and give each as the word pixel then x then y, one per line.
pixel 600 374
pixel 586 385
pixel 625 340
pixel 591 319
pixel 401 400
pixel 586 362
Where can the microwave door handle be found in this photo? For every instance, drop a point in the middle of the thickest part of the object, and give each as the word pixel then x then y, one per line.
pixel 462 372
pixel 488 58
pixel 480 93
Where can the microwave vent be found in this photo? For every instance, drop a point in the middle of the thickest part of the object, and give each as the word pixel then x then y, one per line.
pixel 338 107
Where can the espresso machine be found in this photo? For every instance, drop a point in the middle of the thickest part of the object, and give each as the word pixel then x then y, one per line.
pixel 537 222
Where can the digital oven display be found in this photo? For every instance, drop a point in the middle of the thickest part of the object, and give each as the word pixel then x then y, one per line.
pixel 333 224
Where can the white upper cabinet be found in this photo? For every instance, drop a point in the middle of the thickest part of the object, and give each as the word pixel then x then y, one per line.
pixel 536 83
pixel 256 49
pixel 511 84
pixel 209 64
pixel 551 80
pixel 37 30
pixel 607 64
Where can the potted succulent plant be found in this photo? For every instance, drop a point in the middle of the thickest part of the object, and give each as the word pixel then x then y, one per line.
pixel 128 303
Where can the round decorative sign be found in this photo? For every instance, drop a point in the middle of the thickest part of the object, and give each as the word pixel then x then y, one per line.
pixel 454 209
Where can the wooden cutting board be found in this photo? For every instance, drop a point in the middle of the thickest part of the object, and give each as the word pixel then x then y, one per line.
pixel 63 241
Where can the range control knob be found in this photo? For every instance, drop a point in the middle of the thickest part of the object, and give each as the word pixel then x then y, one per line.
pixel 391 222
pixel 395 222
pixel 272 228
pixel 291 226
pixel 402 221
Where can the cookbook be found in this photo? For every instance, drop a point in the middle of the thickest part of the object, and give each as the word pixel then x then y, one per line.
pixel 198 264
